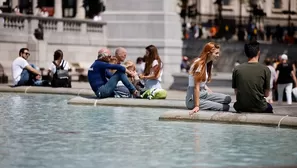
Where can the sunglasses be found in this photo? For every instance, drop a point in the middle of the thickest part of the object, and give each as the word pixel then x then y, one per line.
pixel 27 54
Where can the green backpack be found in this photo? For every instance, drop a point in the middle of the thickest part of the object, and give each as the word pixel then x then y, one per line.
pixel 154 94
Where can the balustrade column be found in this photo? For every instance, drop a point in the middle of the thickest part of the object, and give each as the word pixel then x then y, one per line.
pixel 58 9
pixel 80 12
pixel 34 7
pixel 14 3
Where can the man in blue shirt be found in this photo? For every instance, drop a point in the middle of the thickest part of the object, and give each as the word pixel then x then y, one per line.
pixel 97 76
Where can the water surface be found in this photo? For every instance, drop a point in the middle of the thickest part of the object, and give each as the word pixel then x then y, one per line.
pixel 44 131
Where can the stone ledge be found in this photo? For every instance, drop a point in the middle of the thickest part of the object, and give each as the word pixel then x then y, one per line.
pixel 174 104
pixel 47 90
pixel 234 118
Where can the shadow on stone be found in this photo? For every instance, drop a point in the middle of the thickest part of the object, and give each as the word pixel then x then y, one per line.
pixel 3 76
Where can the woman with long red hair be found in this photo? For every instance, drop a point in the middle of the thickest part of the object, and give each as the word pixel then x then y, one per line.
pixel 199 96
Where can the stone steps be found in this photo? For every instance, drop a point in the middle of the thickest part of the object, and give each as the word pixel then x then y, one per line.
pixel 223 80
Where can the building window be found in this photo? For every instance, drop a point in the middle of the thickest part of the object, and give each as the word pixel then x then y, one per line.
pixel 69 8
pixel 277 4
pixel 226 2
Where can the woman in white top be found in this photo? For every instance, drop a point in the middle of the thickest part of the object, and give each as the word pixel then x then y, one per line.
pixel 59 71
pixel 199 96
pixel 153 69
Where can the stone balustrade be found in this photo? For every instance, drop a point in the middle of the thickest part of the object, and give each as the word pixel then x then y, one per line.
pixel 79 39
pixel 27 23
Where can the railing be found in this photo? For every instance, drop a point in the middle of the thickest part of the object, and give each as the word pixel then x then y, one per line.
pixel 14 23
pixel 28 23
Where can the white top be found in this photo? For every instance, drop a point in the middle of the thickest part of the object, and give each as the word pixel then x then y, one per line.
pixel 273 75
pixel 155 62
pixel 154 83
pixel 53 69
pixel 17 68
pixel 140 68
pixel 191 78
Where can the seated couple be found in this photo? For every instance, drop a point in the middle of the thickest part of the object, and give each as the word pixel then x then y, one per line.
pixel 102 81
pixel 25 74
pixel 251 82
pixel 110 79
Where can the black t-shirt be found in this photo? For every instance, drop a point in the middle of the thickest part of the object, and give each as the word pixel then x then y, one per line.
pixel 284 75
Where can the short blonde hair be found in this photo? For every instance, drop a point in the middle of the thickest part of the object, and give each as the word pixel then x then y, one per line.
pixel 130 64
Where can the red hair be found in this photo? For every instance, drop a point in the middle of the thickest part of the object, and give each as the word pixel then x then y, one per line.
pixel 198 67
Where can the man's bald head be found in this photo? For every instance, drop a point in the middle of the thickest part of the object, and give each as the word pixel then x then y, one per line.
pixel 121 54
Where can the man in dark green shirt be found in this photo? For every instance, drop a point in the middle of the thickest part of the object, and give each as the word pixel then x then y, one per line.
pixel 251 82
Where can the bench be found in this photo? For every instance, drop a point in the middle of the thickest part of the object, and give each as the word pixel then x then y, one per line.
pixel 77 72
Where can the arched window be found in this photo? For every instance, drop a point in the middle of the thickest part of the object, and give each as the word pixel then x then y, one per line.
pixel 277 4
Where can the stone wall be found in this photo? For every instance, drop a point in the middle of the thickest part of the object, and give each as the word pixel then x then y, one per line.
pixel 135 24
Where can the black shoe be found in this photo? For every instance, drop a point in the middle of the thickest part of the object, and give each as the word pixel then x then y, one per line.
pixel 45 83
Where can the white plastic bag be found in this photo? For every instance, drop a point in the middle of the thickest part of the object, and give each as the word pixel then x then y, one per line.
pixel 295 92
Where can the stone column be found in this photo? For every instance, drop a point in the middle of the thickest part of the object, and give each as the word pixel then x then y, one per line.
pixel 14 3
pixel 58 9
pixel 154 23
pixel 268 6
pixel 80 11
pixel 34 7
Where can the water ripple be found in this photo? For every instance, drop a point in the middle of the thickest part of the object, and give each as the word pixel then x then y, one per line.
pixel 43 131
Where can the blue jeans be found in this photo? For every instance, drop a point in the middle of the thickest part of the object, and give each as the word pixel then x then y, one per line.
pixel 108 89
pixel 28 78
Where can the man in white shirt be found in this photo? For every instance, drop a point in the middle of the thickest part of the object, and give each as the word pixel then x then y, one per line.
pixel 22 72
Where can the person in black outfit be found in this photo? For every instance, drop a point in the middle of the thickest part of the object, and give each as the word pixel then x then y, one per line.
pixel 285 76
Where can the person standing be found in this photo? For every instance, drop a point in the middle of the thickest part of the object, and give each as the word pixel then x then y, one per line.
pixel 285 78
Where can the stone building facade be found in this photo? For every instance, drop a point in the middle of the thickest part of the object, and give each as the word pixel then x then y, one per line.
pixel 232 8
pixel 133 24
